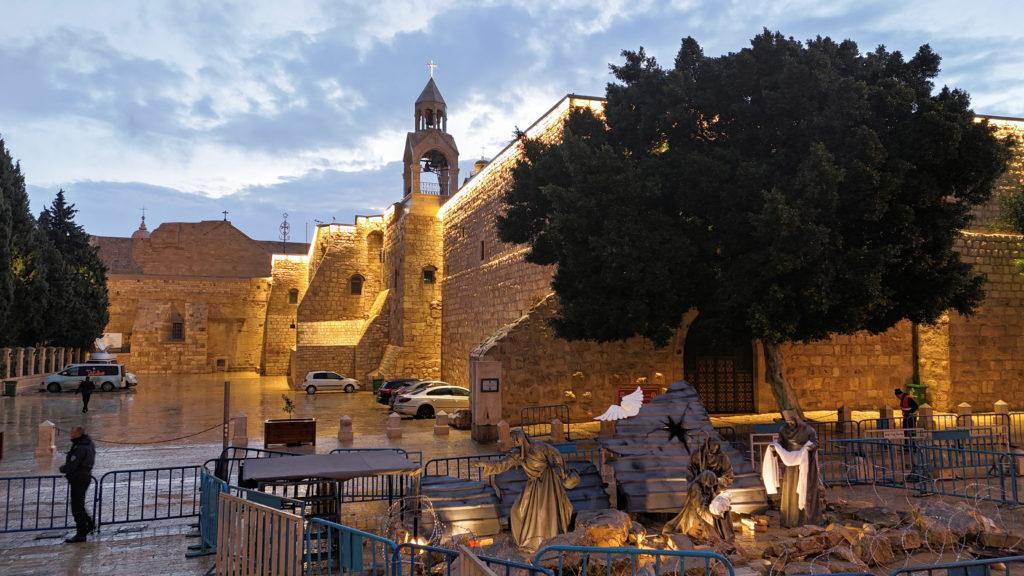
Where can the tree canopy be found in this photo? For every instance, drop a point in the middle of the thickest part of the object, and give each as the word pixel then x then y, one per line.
pixel 52 282
pixel 788 191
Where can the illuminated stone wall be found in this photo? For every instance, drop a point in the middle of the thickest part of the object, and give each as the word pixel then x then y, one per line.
pixel 223 319
pixel 289 273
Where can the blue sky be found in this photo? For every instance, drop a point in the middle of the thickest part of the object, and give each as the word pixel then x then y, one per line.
pixel 258 108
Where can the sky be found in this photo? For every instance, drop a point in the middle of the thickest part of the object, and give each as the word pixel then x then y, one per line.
pixel 260 108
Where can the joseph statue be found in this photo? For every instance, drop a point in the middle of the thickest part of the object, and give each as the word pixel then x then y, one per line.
pixel 543 510
pixel 796 452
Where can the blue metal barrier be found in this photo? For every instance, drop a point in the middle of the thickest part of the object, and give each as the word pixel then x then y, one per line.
pixel 30 503
pixel 211 488
pixel 929 469
pixel 331 548
pixel 507 566
pixel 616 560
pixel 415 559
pixel 979 567
pixel 148 494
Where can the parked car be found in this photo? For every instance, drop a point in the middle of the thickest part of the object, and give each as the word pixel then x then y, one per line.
pixel 389 388
pixel 107 377
pixel 430 400
pixel 414 387
pixel 325 380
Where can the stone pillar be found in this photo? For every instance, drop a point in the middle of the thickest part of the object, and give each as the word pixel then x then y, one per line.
pixel 240 431
pixel 51 355
pixel 394 426
pixel 607 429
pixel 504 436
pixel 46 440
pixel 441 424
pixel 345 430
pixel 5 363
pixel 843 420
pixel 30 360
pixel 925 417
pixel 43 360
pixel 1001 407
pixel 60 359
pixel 19 363
pixel 963 414
pixel 557 432
pixel 885 419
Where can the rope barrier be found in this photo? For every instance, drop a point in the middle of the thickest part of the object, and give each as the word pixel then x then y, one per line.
pixel 149 442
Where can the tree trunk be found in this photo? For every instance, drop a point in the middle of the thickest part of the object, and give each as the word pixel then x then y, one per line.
pixel 776 378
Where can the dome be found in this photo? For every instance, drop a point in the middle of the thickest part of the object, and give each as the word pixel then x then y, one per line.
pixel 141 232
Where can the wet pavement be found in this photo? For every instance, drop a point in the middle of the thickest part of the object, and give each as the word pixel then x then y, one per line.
pixel 131 429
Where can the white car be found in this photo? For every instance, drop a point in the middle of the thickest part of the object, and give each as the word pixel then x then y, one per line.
pixel 426 402
pixel 105 377
pixel 324 380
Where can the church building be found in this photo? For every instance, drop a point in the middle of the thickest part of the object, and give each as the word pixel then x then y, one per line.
pixel 426 289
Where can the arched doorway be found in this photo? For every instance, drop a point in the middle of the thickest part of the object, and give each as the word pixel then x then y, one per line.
pixel 722 373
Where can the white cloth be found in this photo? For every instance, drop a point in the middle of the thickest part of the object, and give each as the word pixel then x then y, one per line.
pixel 770 469
pixel 628 407
pixel 720 504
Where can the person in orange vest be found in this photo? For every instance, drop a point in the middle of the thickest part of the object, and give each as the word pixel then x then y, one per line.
pixel 909 408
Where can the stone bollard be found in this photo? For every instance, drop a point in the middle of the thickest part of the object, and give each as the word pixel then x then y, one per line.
pixel 30 361
pixel 885 419
pixel 1001 407
pixel 345 430
pixel 607 429
pixel 46 440
pixel 394 426
pixel 19 362
pixel 557 432
pixel 963 414
pixel 5 363
pixel 504 437
pixel 43 360
pixel 843 418
pixel 240 431
pixel 441 424
pixel 925 417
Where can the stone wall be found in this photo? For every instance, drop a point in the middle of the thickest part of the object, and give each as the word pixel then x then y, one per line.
pixel 231 311
pixel 989 217
pixel 340 253
pixel 289 273
pixel 539 368
pixel 335 358
pixel 208 248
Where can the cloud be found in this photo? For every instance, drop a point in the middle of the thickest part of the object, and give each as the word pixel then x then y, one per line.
pixel 303 107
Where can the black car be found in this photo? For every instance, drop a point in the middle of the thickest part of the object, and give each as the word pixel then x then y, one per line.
pixel 391 386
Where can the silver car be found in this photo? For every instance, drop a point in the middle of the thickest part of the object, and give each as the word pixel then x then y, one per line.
pixel 426 402
pixel 326 380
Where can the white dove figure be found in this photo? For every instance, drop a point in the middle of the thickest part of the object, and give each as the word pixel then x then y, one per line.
pixel 630 406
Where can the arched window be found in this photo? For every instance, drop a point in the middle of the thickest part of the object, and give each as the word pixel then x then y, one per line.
pixel 356 284
pixel 429 275
pixel 293 296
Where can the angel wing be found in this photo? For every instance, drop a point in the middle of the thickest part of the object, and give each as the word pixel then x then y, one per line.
pixel 629 407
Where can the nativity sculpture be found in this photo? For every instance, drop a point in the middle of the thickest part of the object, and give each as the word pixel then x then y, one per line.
pixel 543 510
pixel 705 513
pixel 796 453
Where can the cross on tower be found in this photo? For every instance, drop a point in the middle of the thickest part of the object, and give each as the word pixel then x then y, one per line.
pixel 225 213
pixel 431 66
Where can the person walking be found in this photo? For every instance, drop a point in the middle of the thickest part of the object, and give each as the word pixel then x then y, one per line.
pixel 909 408
pixel 86 389
pixel 77 469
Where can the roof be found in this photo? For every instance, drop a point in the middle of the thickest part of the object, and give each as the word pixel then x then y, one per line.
pixel 116 253
pixel 430 93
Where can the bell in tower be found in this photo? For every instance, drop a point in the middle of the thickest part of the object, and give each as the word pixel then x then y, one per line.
pixel 431 157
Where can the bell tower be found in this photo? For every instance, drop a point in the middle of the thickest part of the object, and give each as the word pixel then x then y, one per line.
pixel 431 158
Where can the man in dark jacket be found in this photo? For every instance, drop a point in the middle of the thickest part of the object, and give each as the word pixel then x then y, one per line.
pixel 86 389
pixel 77 469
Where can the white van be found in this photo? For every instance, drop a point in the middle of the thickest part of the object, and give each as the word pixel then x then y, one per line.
pixel 106 377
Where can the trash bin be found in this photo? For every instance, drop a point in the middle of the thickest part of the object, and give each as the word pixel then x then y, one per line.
pixel 10 387
pixel 918 391
pixel 377 383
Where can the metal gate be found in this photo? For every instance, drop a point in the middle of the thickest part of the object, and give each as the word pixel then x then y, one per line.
pixel 724 385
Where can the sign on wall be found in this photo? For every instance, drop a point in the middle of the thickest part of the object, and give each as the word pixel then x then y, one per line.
pixel 488 384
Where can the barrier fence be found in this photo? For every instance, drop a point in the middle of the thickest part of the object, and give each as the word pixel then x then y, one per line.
pixel 148 494
pixel 465 466
pixel 929 469
pixel 257 540
pixel 536 420
pixel 38 503
pixel 591 560
pixel 210 488
pixel 334 549
pixel 1009 565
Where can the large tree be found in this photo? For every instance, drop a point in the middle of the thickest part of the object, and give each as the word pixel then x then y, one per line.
pixel 77 279
pixel 788 192
pixel 19 290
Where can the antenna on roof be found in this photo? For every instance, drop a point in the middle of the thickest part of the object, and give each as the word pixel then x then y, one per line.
pixel 285 229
